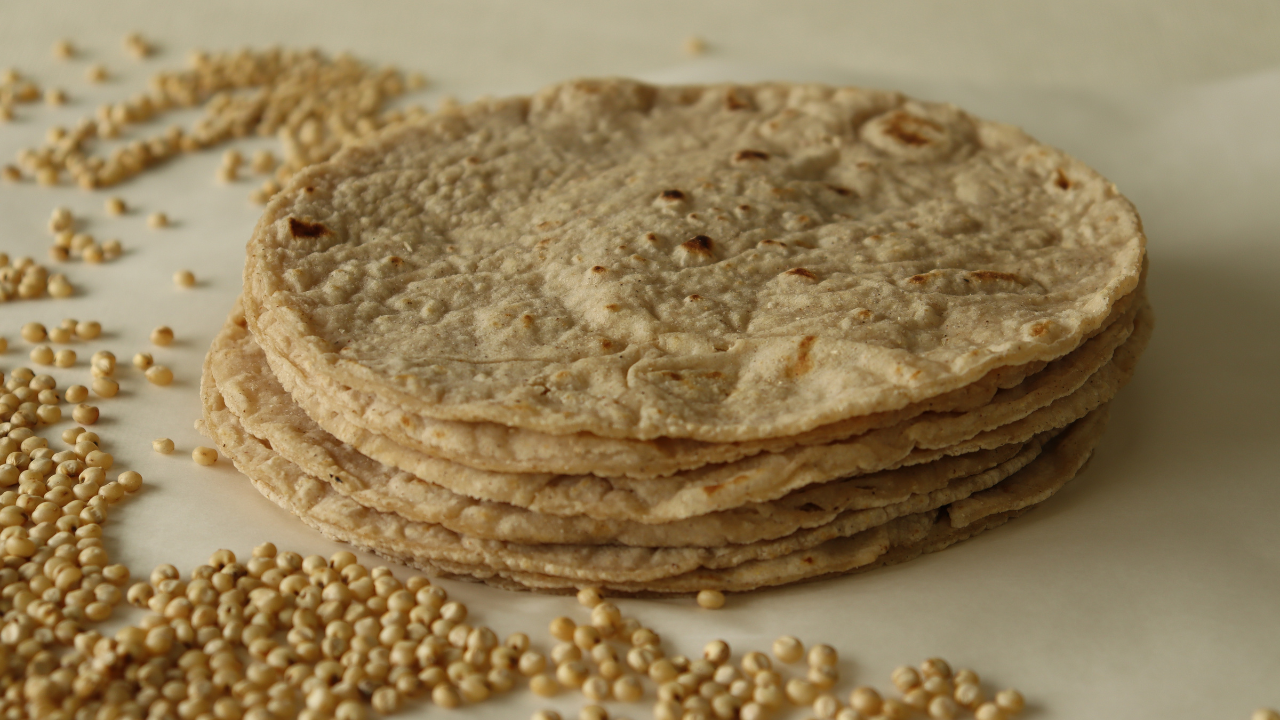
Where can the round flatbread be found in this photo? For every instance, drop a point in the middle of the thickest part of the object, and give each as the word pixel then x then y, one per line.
pixel 718 263
pixel 835 548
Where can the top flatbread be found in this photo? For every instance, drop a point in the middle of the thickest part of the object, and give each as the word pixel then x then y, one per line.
pixel 718 263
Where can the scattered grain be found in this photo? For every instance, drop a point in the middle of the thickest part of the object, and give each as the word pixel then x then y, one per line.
pixel 204 455
pixel 162 336
pixel 42 355
pixel 88 329
pixel 84 414
pixel 105 387
pixel 788 649
pixel 1011 701
pixel 34 332
pixel 710 599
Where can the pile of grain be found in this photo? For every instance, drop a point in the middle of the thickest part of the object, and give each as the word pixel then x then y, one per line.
pixel 667 339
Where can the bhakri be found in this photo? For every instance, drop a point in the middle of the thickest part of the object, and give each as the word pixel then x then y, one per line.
pixel 720 263
pixel 657 570
pixel 1053 399
pixel 666 339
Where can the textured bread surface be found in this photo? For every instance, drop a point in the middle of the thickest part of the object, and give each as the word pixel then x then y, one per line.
pixel 717 263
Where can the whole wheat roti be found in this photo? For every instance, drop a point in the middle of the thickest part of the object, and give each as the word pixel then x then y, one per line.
pixel 808 553
pixel 489 446
pixel 720 263
pixel 1051 400
pixel 265 411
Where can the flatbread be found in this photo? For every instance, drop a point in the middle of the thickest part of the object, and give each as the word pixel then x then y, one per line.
pixel 720 263
pixel 266 412
pixel 1051 399
pixel 805 554
pixel 487 446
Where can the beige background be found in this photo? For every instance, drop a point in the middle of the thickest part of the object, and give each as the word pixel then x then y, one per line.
pixel 1150 587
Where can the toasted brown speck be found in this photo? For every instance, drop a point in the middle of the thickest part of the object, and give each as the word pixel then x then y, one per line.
pixel 303 229
pixel 698 245
pixel 803 363
pixel 909 129
pixel 992 275
pixel 842 191
pixel 599 269
pixel 672 195
pixel 733 102
pixel 1061 180
pixel 801 272
pixel 747 155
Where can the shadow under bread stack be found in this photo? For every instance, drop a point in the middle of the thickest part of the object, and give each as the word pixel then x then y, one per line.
pixel 667 339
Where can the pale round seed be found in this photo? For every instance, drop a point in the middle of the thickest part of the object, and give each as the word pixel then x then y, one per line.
pixel 142 361
pixel 943 708
pixel 991 711
pixel 716 652
pixel 164 446
pixel 159 375
pixel 162 336
pixel 84 414
pixel 822 655
pixel 801 692
pixel 64 358
pixel 938 686
pixel 130 480
pixel 105 387
pixel 710 599
pixel 968 695
pixel 88 329
pixel 34 332
pixel 825 707
pixel 204 455
pixel 589 597
pixel 935 667
pixel 544 685
pixel 562 628
pixel 865 700
pixel 788 649
pixel 628 689
pixel 115 206
pixel 916 698
pixel 1011 701
pixel 157 220
pixel 905 678
pixel 184 279
pixel 42 355
pixel 76 394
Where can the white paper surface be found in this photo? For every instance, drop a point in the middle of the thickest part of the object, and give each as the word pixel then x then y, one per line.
pixel 1149 587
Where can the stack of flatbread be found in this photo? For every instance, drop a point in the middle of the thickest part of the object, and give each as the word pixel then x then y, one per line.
pixel 666 339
